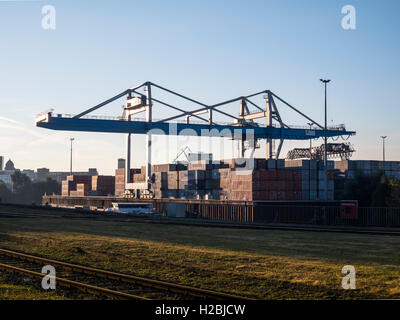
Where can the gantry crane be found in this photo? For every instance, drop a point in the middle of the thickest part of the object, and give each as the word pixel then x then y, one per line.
pixel 334 150
pixel 243 127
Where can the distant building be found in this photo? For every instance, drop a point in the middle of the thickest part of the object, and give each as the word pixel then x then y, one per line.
pixel 1 163
pixel 121 163
pixel 6 178
pixel 10 166
pixel 30 173
pixel 42 174
pixel 93 172
pixel 59 176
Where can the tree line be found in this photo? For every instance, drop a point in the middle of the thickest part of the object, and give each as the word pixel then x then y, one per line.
pixel 26 191
pixel 377 190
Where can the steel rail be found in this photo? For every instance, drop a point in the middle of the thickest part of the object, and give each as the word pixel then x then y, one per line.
pixel 213 223
pixel 171 287
pixel 74 284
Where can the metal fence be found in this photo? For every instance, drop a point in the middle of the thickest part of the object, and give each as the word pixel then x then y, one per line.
pixel 321 215
pixel 247 211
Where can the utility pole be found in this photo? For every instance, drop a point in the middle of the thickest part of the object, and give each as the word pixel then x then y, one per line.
pixel 325 142
pixel 70 163
pixel 383 145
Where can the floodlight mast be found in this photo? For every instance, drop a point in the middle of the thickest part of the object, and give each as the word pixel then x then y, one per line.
pixel 325 82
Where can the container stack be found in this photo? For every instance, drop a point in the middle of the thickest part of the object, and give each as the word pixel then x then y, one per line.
pixel 67 187
pixel 221 183
pixel 172 184
pixel 82 190
pixel 103 185
pixel 119 181
pixel 76 185
pixel 159 184
pixel 196 184
pixel 241 179
pixel 348 168
pixel 138 175
pixel 309 180
pixel 166 178
pixel 265 185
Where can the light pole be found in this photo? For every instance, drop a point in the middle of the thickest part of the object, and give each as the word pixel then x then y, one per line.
pixel 325 138
pixel 70 163
pixel 383 145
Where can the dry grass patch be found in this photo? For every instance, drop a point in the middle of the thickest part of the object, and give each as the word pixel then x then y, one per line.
pixel 257 263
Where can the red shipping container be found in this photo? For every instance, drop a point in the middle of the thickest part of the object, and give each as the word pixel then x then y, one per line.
pixel 281 195
pixel 297 185
pixel 296 175
pixel 349 209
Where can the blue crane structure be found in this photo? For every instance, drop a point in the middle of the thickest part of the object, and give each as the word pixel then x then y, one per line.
pixel 242 127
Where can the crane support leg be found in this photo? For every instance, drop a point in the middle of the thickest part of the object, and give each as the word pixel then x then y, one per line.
pixel 269 123
pixel 278 152
pixel 128 159
pixel 148 136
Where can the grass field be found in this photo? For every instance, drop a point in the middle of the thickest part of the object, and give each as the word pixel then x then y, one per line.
pixel 265 264
pixel 24 291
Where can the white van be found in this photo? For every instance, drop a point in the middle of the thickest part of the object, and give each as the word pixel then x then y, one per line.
pixel 132 207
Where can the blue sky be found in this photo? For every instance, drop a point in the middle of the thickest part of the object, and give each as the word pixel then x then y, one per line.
pixel 209 50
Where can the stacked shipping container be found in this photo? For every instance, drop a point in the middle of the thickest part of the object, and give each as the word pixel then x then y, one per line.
pixel 238 179
pixel 348 168
pixel 76 185
pixel 79 186
pixel 103 185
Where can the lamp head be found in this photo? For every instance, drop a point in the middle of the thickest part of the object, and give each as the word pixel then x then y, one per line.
pixel 324 81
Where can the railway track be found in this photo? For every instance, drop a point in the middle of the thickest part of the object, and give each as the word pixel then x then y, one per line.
pixel 104 283
pixel 207 223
